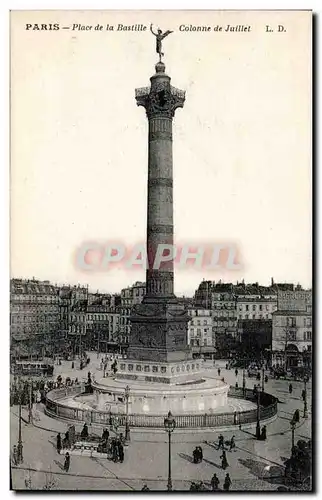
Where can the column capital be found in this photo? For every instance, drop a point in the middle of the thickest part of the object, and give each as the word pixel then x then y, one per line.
pixel 161 99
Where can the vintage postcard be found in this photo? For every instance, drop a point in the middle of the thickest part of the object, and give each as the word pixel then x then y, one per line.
pixel 161 251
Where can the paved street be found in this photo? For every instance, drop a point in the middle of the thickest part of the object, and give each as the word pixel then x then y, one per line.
pixel 254 465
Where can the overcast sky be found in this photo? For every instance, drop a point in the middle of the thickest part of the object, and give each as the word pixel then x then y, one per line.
pixel 241 144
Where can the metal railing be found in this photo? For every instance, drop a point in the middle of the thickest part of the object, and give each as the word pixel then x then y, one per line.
pixel 56 409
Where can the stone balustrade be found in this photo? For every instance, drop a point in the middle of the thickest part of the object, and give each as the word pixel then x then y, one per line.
pixel 56 408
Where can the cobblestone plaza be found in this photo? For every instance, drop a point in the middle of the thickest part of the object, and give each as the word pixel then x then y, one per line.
pixel 253 465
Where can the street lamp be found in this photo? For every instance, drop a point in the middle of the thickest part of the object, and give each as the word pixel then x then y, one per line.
pixel 30 387
pixel 263 378
pixel 258 428
pixel 98 344
pixel 244 382
pixel 305 414
pixel 169 425
pixel 127 427
pixel 19 446
pixel 292 424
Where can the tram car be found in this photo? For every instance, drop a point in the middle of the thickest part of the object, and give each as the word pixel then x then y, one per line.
pixel 35 368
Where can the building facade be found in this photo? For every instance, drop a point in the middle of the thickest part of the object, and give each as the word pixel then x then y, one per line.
pixel 200 332
pixel 292 329
pixel 34 316
pixel 130 296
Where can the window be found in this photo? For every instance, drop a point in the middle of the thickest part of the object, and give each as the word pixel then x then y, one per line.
pixel 254 316
pixel 254 307
pixel 291 321
pixel 246 316
pixel 307 321
pixel 292 335
pixel 308 336
pixel 247 307
pixel 260 307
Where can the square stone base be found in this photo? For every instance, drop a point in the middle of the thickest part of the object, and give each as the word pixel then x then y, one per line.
pixel 158 372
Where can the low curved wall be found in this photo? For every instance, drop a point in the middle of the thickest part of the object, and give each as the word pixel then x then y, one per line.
pixel 54 408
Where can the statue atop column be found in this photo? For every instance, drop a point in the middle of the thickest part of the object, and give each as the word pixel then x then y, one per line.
pixel 159 35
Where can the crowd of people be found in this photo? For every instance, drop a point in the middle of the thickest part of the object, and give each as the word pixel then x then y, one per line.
pixel 214 483
pixel 112 447
pixel 198 458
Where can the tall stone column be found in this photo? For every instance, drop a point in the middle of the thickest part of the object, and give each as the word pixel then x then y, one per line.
pixel 160 102
pixel 159 324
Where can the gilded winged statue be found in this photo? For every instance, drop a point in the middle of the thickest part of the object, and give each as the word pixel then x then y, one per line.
pixel 159 35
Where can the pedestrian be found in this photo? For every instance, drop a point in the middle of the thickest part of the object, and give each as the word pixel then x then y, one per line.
pixel 114 450
pixel 73 364
pixel 105 435
pixel 290 388
pixel 195 455
pixel 84 433
pixel 236 372
pixel 67 462
pixel 236 385
pixel 263 433
pixel 218 372
pixel 296 416
pixel 266 379
pixel 214 482
pixel 15 455
pixel 227 482
pixel 224 462
pixel 66 440
pixel 200 454
pixel 58 443
pixel 221 442
pixel 232 443
pixel 120 450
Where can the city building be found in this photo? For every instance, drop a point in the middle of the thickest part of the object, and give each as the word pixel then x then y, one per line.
pixel 129 297
pixel 102 324
pixel 292 329
pixel 223 306
pixel 34 316
pixel 200 332
pixel 77 319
